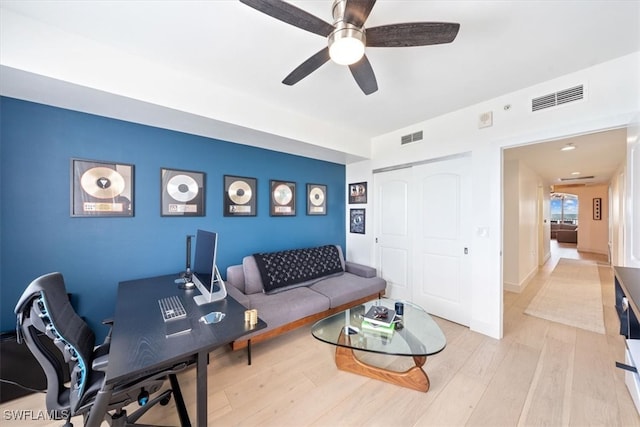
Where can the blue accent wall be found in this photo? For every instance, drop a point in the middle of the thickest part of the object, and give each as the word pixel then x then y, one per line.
pixel 38 234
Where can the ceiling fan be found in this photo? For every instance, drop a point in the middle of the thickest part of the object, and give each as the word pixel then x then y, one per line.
pixel 347 36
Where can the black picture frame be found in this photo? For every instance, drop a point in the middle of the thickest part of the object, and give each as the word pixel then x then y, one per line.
pixel 357 220
pixel 316 199
pixel 357 193
pixel 101 188
pixel 240 195
pixel 597 208
pixel 282 198
pixel 182 193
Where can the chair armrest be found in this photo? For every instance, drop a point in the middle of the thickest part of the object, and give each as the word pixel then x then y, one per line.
pixel 108 321
pixel 359 269
pixel 101 358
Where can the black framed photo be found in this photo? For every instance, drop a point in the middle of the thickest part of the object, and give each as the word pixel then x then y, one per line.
pixel 597 208
pixel 240 195
pixel 357 221
pixel 283 198
pixel 100 188
pixel 316 199
pixel 358 193
pixel 182 193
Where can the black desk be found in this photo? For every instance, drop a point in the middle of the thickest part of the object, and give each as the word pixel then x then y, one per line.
pixel 139 346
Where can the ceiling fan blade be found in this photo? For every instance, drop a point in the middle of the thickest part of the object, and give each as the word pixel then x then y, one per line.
pixel 412 34
pixel 357 11
pixel 363 73
pixel 290 14
pixel 307 67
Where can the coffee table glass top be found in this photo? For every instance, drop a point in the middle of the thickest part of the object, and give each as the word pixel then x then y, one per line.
pixel 419 335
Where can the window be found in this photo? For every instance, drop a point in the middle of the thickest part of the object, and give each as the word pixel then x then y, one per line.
pixel 564 208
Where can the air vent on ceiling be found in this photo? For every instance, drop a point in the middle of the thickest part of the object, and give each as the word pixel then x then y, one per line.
pixel 412 137
pixel 565 96
pixel 577 179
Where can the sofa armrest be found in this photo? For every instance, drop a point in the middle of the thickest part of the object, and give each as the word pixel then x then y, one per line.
pixel 235 277
pixel 239 296
pixel 360 270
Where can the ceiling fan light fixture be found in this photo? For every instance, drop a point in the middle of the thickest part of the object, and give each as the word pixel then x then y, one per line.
pixel 346 44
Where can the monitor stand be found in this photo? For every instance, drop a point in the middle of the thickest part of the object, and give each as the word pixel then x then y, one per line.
pixel 207 295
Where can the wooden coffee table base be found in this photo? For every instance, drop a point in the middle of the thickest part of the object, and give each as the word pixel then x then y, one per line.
pixel 414 378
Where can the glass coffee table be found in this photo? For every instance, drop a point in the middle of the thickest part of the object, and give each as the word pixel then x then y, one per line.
pixel 418 337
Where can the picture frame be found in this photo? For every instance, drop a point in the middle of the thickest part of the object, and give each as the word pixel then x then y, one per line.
pixel 101 188
pixel 282 198
pixel 182 193
pixel 597 208
pixel 316 199
pixel 239 196
pixel 358 193
pixel 357 221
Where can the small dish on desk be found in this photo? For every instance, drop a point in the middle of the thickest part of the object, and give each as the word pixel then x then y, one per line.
pixel 213 317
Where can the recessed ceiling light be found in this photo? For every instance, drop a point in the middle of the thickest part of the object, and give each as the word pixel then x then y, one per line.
pixel 568 147
pixel 575 173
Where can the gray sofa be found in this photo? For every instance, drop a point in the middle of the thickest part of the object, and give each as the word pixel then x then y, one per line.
pixel 564 233
pixel 293 288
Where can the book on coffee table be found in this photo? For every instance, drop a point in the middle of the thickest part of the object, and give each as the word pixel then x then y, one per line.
pixel 380 315
pixel 387 330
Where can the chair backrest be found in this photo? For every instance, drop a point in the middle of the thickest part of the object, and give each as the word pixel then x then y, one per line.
pixel 44 306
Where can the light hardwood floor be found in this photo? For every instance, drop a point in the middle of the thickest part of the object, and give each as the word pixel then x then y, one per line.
pixel 540 374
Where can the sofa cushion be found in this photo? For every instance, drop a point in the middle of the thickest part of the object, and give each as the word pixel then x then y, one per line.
pixel 286 307
pixel 284 269
pixel 348 287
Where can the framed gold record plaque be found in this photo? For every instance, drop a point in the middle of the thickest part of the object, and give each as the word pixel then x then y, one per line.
pixel 283 198
pixel 101 188
pixel 182 192
pixel 240 195
pixel 316 199
pixel 358 193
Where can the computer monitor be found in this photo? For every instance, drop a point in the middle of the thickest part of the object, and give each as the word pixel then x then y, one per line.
pixel 205 272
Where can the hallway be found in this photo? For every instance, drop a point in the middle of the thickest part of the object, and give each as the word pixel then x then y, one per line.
pixel 568 250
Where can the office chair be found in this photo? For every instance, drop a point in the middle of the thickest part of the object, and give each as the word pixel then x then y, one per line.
pixel 45 307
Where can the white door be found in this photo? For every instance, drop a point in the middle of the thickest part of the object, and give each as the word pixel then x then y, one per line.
pixel 441 252
pixel 391 225
pixel 422 231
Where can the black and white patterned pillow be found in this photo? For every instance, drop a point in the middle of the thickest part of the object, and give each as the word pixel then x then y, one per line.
pixel 285 268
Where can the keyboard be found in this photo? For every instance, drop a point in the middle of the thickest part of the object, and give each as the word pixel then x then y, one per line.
pixel 172 308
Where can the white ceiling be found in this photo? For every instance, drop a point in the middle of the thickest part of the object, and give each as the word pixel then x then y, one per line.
pixel 502 46
pixel 597 155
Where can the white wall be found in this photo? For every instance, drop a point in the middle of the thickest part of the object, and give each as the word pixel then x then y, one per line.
pixel 359 248
pixel 527 224
pixel 616 213
pixel 511 236
pixel 593 235
pixel 520 226
pixel 632 193
pixel 545 231
pixel 613 99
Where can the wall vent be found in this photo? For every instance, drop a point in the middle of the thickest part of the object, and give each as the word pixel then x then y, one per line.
pixel 565 96
pixel 412 137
